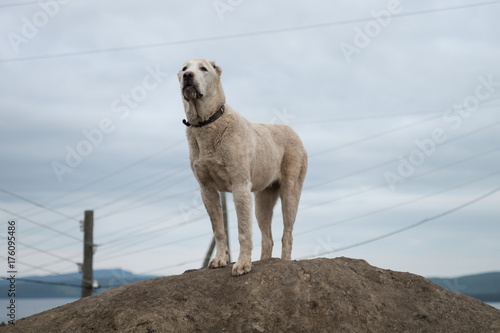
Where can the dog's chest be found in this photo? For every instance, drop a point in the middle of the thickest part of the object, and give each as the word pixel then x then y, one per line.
pixel 210 170
pixel 209 166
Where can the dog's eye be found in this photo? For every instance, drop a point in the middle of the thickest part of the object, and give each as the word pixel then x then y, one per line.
pixel 184 68
pixel 203 68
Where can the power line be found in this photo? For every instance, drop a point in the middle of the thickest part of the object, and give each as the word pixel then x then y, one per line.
pixel 141 226
pixel 43 251
pixel 426 173
pixel 60 283
pixel 240 35
pixel 127 208
pixel 371 240
pixel 36 204
pixel 408 178
pixel 435 217
pixel 376 212
pixel 19 4
pixel 366 241
pixel 378 135
pixel 52 263
pixel 390 207
pixel 380 116
pixel 75 217
pixel 315 229
pixel 332 180
pixel 364 139
pixel 152 188
pixel 335 179
pixel 156 246
pixel 56 248
pixel 41 269
pixel 156 232
pixel 385 209
pixel 152 234
pixel 112 174
pixel 133 229
pixel 39 224
pixel 107 176
pixel 94 194
pixel 345 220
pixel 371 137
pixel 48 239
pixel 402 203
pixel 44 282
pixel 170 266
pixel 132 233
pixel 480 129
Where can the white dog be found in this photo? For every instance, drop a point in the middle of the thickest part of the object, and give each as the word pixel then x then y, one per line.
pixel 230 154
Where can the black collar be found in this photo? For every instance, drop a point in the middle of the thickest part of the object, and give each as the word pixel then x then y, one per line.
pixel 212 118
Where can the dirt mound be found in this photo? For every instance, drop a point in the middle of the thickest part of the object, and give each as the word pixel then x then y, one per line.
pixel 319 295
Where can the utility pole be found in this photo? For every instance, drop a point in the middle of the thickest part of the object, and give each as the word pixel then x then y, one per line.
pixel 226 228
pixel 226 223
pixel 88 253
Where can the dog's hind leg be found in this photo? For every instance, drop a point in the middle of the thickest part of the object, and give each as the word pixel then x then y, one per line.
pixel 291 188
pixel 264 204
pixel 211 199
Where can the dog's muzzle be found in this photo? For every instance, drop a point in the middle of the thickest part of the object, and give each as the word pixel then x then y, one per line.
pixel 189 90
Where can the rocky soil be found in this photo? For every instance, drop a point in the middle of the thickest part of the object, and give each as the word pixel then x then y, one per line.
pixel 319 295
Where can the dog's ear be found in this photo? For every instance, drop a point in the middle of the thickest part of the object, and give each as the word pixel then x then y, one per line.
pixel 217 68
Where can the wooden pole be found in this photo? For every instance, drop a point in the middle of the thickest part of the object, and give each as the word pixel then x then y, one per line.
pixel 212 244
pixel 226 227
pixel 209 252
pixel 88 244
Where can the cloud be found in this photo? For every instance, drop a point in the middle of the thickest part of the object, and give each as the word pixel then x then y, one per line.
pixel 356 120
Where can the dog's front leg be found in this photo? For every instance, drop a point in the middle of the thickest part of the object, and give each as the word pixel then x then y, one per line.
pixel 211 199
pixel 243 203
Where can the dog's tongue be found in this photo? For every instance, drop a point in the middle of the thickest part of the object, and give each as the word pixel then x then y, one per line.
pixel 191 92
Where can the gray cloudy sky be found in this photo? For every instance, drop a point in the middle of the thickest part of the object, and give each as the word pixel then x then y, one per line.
pixel 397 103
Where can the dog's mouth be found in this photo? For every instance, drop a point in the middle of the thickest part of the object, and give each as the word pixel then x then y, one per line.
pixel 190 92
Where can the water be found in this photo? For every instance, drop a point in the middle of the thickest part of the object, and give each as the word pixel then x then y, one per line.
pixel 494 304
pixel 28 306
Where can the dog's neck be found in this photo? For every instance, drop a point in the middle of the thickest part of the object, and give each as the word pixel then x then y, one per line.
pixel 200 110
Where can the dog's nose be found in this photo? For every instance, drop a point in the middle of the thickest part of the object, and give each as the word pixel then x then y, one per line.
pixel 188 75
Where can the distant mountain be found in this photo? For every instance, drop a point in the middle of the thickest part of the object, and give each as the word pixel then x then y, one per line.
pixel 485 287
pixel 68 285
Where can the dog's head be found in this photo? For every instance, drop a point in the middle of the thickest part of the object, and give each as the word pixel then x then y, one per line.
pixel 198 77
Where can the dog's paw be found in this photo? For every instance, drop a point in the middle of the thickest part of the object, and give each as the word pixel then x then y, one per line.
pixel 241 267
pixel 217 263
